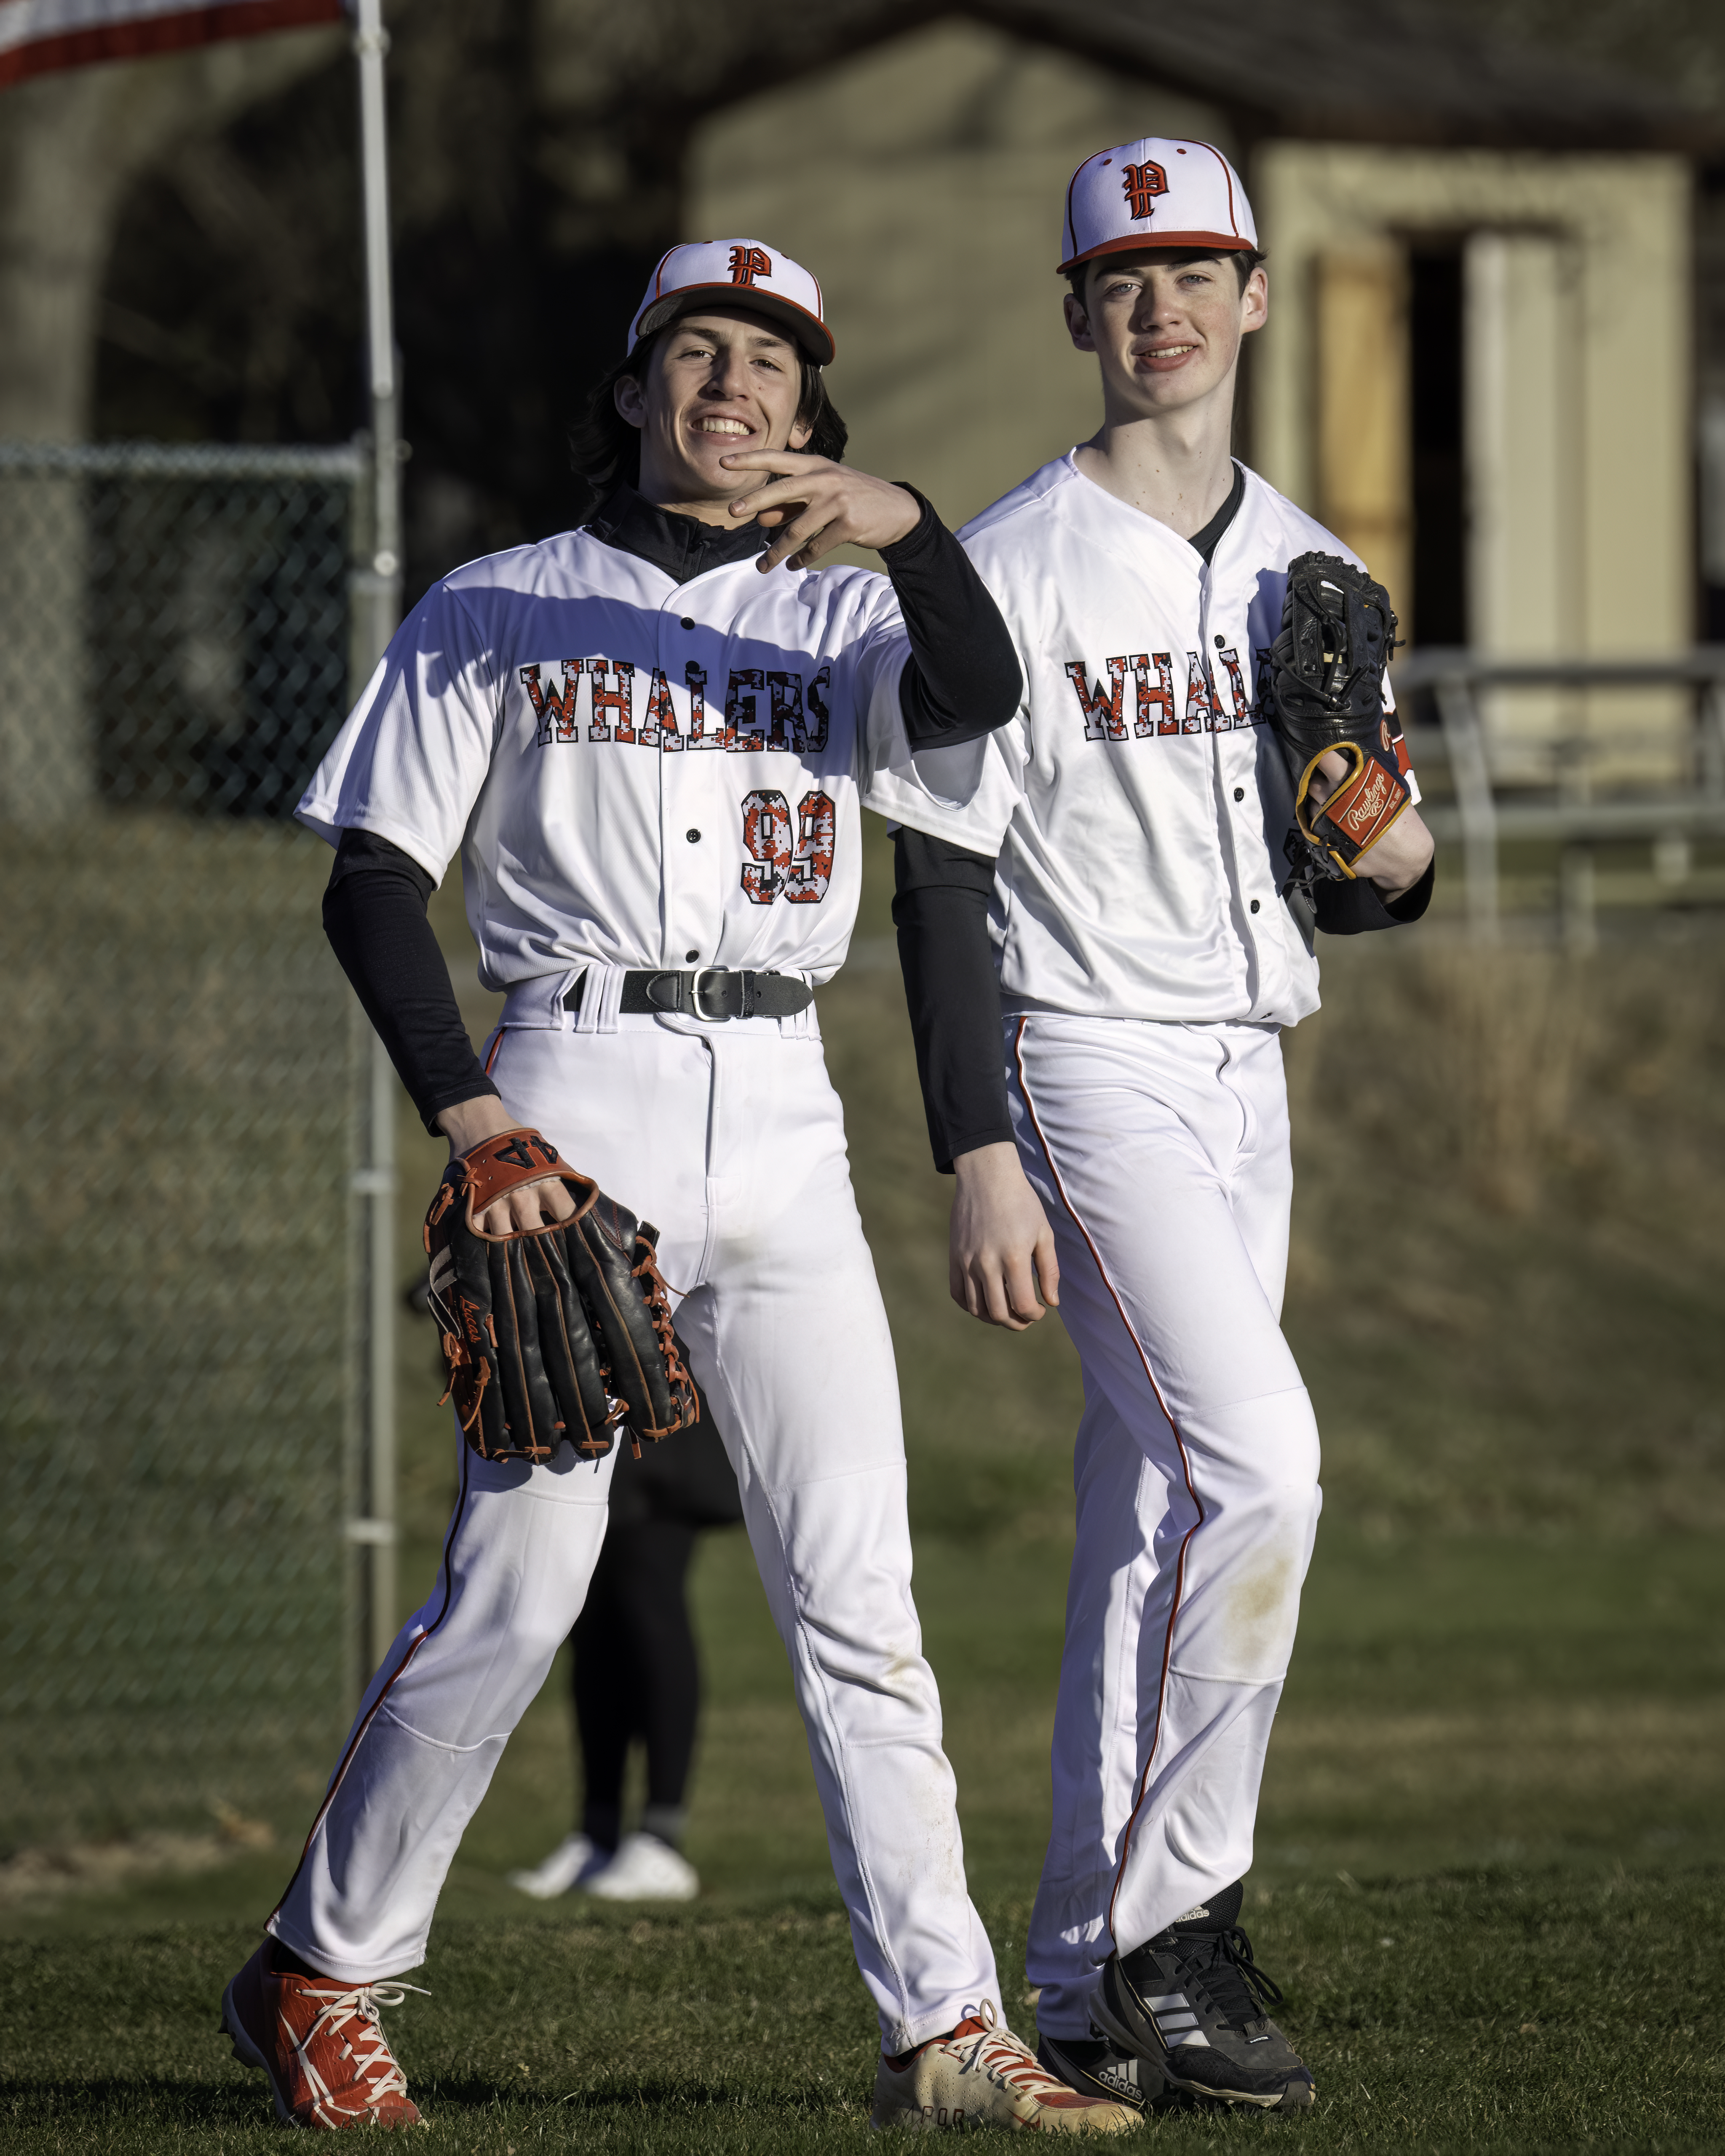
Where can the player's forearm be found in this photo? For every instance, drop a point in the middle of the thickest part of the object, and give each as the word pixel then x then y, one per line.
pixel 941 911
pixel 1356 908
pixel 962 680
pixel 374 916
pixel 1400 857
pixel 468 1123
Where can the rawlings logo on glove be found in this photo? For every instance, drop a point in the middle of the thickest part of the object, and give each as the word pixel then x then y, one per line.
pixel 1327 694
pixel 554 1332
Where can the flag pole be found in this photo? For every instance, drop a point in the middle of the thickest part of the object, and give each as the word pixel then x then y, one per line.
pixel 380 591
pixel 371 43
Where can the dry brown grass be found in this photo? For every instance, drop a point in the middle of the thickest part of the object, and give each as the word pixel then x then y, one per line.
pixel 1533 1151
pixel 1515 1066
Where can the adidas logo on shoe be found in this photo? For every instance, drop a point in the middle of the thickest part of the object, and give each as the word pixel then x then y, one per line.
pixel 1096 2068
pixel 1176 2023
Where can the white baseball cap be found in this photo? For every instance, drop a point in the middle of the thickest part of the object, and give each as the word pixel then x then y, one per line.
pixel 1158 191
pixel 735 272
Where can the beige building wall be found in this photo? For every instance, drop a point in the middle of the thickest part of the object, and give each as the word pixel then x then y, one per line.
pixel 924 184
pixel 1576 271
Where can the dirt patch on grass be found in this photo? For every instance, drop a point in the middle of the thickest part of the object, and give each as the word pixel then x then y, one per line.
pixel 48 1873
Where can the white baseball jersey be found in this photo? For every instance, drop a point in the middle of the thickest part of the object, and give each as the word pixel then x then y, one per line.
pixel 635 771
pixel 1139 801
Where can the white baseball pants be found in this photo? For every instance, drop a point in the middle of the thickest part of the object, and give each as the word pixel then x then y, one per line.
pixel 1160 1152
pixel 731 1138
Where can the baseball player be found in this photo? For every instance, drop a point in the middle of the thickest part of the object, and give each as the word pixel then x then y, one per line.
pixel 1132 854
pixel 645 739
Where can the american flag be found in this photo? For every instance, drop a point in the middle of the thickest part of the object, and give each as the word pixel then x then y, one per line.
pixel 37 36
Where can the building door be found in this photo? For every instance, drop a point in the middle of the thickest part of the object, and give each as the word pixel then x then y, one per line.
pixel 1363 439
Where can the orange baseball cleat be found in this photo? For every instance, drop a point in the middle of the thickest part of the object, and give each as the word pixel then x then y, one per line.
pixel 322 2044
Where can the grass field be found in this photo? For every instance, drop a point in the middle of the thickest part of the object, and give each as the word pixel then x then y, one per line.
pixel 1492 2012
pixel 1492 1850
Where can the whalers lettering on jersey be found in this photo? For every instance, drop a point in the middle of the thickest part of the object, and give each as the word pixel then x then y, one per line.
pixel 795 717
pixel 1155 713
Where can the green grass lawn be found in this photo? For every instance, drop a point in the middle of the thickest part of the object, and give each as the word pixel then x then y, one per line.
pixel 1492 1845
pixel 1490 1867
pixel 1495 2011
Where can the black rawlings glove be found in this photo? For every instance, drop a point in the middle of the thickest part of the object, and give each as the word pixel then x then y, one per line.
pixel 1326 692
pixel 553 1332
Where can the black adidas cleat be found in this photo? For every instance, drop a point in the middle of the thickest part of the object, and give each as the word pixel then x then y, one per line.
pixel 1096 2067
pixel 1190 2004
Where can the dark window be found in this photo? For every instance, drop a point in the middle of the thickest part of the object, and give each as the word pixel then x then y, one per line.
pixel 1440 482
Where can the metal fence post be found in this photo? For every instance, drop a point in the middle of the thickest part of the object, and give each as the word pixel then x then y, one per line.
pixel 378 587
pixel 1712 773
pixel 375 1531
pixel 370 1527
pixel 1474 803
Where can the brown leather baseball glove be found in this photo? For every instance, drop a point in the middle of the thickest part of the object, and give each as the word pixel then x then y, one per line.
pixel 560 1332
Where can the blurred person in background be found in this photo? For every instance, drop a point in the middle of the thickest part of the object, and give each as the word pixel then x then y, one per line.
pixel 636 1674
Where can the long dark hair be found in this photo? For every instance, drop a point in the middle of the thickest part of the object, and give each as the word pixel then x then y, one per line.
pixel 605 450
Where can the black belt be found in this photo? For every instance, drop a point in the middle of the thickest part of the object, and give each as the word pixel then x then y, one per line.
pixel 712 993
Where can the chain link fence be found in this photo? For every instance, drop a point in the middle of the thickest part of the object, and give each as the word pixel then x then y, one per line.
pixel 181 1085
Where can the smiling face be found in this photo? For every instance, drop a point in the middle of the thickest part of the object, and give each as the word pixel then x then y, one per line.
pixel 719 381
pixel 1167 331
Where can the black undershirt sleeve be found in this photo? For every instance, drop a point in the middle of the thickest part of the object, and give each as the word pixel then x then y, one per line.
pixel 961 679
pixel 374 914
pixel 1352 909
pixel 941 911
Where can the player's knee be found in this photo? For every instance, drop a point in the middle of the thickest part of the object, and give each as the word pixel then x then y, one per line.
pixel 1258 1456
pixel 533 1634
pixel 885 1676
pixel 1289 1490
pixel 1286 1522
pixel 1282 1515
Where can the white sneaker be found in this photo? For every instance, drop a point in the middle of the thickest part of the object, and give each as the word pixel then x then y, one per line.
pixel 574 1857
pixel 645 1869
pixel 982 2075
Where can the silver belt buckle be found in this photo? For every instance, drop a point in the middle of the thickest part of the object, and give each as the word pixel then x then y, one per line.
pixel 707 1017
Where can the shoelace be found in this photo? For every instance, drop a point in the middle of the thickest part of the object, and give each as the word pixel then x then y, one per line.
pixel 361 2004
pixel 998 2053
pixel 1239 1989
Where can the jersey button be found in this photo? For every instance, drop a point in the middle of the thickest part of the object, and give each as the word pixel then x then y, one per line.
pixel 693 837
pixel 691 956
pixel 1255 905
pixel 1239 793
pixel 1220 641
pixel 688 621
